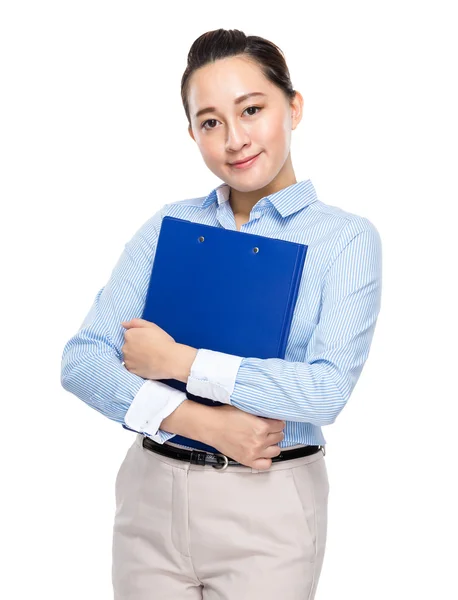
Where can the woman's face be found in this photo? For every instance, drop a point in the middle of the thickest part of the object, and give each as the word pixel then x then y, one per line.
pixel 231 131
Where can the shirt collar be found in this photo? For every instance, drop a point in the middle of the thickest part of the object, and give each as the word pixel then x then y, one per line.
pixel 287 201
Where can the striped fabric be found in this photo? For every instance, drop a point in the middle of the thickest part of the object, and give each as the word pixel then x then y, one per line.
pixel 331 333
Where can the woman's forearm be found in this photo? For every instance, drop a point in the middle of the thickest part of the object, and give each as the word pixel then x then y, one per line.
pixel 192 420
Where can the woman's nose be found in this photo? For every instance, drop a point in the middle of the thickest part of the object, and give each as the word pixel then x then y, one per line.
pixel 236 137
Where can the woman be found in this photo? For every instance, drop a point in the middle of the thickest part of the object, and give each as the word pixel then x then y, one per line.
pixel 256 528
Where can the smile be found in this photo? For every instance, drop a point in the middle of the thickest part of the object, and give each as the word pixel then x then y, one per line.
pixel 247 164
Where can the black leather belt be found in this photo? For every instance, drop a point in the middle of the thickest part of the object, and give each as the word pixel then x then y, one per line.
pixel 219 461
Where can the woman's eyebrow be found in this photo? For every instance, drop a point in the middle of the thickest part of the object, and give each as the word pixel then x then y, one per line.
pixel 238 100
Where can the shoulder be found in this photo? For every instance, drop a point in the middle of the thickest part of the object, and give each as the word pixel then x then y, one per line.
pixel 179 207
pixel 349 234
pixel 345 223
pixel 149 230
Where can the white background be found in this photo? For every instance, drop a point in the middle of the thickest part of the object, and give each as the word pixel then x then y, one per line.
pixel 94 141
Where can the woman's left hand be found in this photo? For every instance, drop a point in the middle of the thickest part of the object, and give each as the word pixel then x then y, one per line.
pixel 148 350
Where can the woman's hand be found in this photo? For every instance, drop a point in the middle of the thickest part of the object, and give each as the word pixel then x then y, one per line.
pixel 148 350
pixel 248 439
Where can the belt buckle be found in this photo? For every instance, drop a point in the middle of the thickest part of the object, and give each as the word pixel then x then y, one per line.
pixel 323 450
pixel 219 466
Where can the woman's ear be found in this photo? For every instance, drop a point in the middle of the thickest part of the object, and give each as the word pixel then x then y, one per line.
pixel 190 132
pixel 297 105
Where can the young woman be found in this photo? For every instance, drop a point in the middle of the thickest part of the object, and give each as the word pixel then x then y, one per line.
pixel 250 522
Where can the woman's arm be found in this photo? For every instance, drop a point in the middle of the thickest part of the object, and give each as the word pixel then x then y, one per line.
pixel 316 389
pixel 250 440
pixel 192 420
pixel 92 366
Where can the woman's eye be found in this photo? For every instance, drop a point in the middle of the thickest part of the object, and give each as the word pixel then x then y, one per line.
pixel 208 121
pixel 258 108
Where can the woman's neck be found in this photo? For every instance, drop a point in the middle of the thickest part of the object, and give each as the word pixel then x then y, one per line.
pixel 243 202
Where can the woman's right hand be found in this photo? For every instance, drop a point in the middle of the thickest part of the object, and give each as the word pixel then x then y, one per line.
pixel 246 438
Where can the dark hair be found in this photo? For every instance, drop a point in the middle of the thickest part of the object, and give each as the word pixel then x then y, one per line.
pixel 222 43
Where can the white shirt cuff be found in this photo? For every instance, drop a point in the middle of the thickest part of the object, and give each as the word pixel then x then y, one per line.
pixel 213 375
pixel 161 436
pixel 152 404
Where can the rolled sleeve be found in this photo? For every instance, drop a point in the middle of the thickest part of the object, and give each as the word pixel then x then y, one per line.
pixel 152 404
pixel 213 375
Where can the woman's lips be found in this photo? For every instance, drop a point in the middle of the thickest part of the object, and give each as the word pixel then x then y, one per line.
pixel 247 164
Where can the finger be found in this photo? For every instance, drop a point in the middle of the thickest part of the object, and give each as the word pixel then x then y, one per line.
pixel 262 464
pixel 270 451
pixel 275 425
pixel 275 438
pixel 137 323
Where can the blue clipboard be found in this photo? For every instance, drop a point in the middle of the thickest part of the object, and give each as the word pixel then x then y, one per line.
pixel 223 290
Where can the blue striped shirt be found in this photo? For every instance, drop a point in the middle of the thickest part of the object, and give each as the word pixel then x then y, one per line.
pixel 332 328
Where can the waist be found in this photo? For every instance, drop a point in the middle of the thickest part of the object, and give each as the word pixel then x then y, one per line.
pixel 218 460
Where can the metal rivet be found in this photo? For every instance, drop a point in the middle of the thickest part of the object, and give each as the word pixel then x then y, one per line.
pixel 201 239
pixel 255 250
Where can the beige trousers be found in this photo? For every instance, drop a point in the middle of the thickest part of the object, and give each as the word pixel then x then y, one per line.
pixel 192 532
